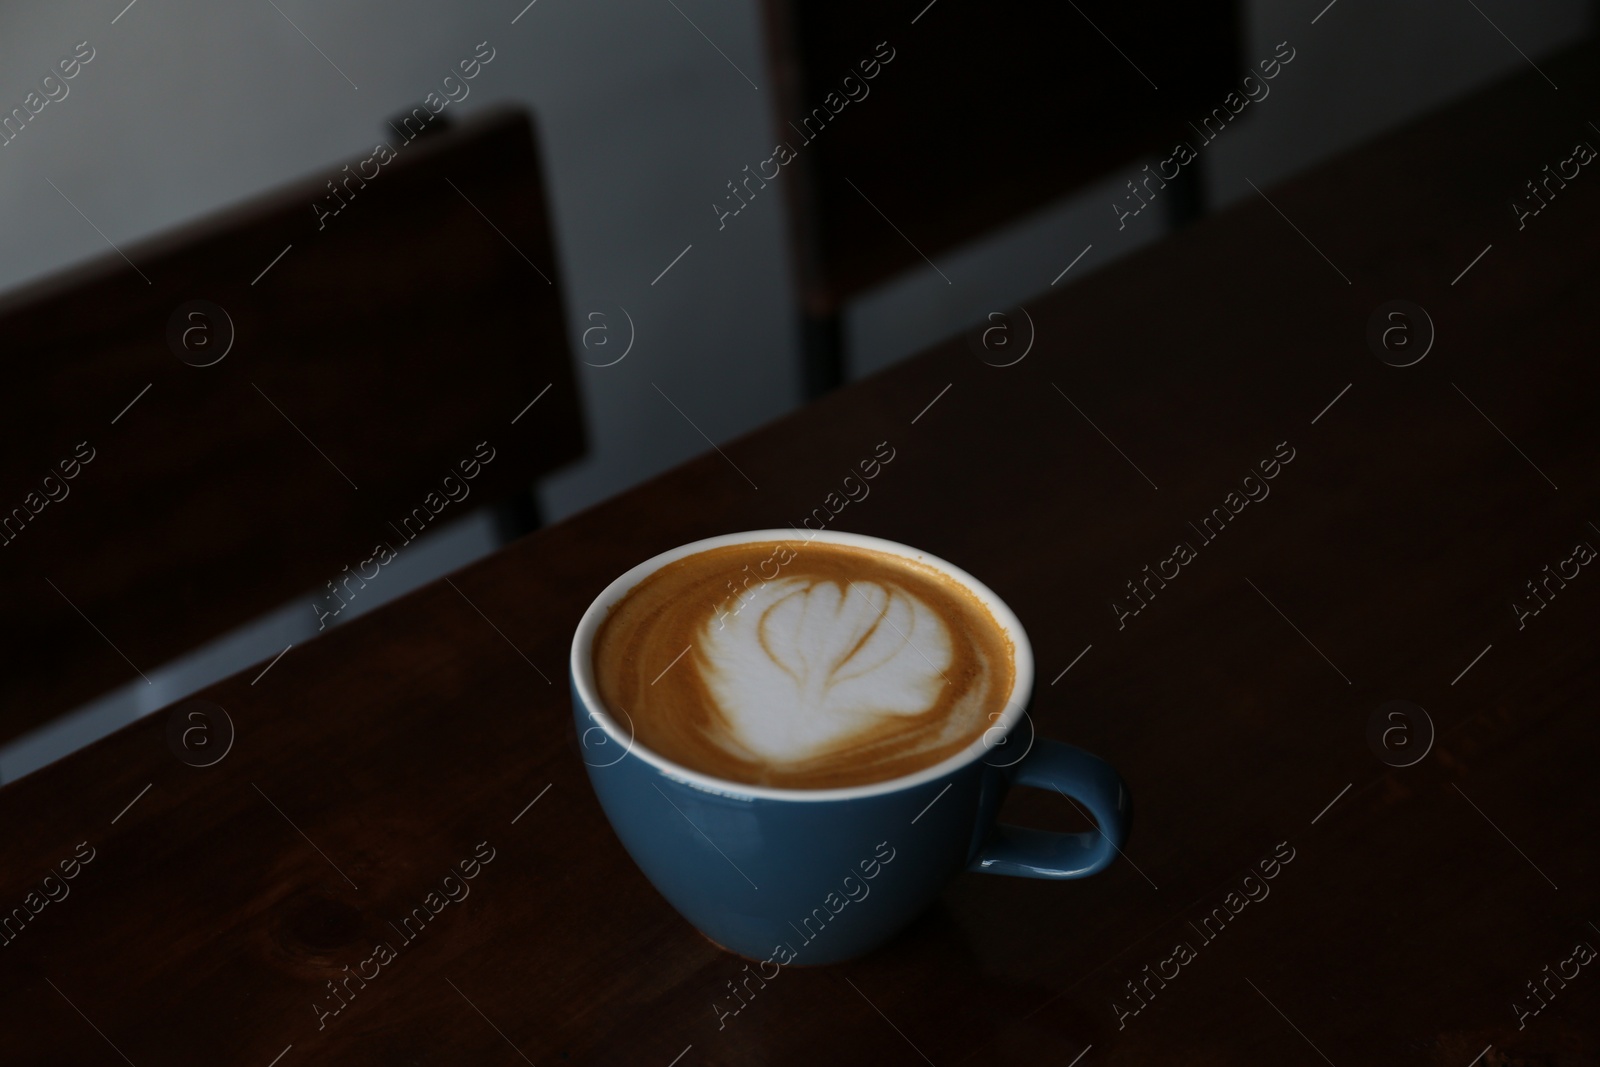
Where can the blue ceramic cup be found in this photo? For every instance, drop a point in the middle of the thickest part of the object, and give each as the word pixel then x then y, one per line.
pixel 815 876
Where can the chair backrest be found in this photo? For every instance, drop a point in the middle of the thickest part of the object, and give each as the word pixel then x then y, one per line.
pixel 246 409
pixel 973 115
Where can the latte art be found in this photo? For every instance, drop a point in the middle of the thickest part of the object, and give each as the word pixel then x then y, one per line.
pixel 845 666
pixel 821 662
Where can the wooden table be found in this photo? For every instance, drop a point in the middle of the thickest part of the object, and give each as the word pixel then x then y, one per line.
pixel 1383 566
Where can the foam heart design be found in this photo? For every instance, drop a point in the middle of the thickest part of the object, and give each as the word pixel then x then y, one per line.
pixel 806 663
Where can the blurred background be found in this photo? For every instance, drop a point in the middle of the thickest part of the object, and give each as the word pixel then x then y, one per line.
pixel 645 109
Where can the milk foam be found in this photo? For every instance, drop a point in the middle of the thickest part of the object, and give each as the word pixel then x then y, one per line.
pixel 808 662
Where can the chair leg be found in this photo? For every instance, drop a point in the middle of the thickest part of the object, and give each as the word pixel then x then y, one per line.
pixel 821 352
pixel 518 516
pixel 1187 194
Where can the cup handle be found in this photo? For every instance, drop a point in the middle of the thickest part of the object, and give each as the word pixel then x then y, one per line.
pixel 1088 781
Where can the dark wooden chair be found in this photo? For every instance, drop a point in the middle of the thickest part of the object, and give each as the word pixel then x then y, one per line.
pixel 980 114
pixel 205 425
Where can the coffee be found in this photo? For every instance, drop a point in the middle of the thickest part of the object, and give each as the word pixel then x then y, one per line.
pixel 802 665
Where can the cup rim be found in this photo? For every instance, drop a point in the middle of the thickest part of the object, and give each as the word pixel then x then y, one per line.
pixel 581 670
